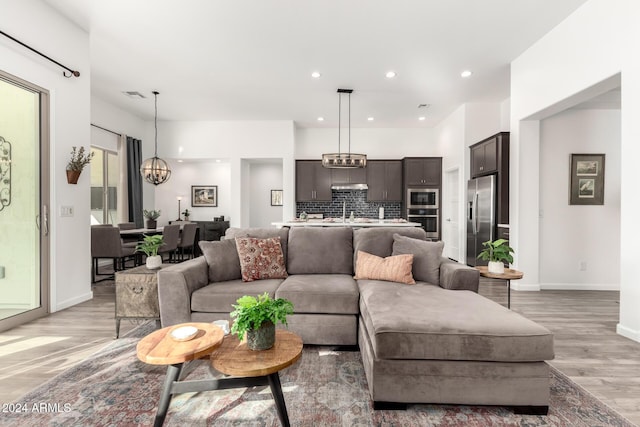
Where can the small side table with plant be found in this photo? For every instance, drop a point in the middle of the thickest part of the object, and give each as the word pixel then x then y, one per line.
pixel 497 253
pixel 149 246
pixel 257 317
pixel 151 217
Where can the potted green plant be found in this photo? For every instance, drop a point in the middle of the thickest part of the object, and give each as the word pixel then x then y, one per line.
pixel 257 317
pixel 149 246
pixel 187 214
pixel 151 217
pixel 497 252
pixel 79 159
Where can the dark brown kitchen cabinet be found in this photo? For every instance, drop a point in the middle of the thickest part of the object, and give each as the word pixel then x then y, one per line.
pixel 349 176
pixel 422 171
pixel 384 179
pixel 313 181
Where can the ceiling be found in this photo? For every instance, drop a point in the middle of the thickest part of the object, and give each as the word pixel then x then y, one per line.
pixel 253 59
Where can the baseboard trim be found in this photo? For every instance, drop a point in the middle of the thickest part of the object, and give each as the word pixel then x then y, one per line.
pixel 632 334
pixel 580 286
pixel 524 286
pixel 73 301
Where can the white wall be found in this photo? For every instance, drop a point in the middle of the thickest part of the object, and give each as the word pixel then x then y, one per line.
pixel 35 23
pixel 598 41
pixel 570 234
pixel 264 177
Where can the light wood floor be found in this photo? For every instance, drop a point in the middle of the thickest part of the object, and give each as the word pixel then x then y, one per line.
pixel 587 348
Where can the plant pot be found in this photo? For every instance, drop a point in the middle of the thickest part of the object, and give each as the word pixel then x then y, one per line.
pixel 262 338
pixel 496 267
pixel 151 224
pixel 72 176
pixel 154 262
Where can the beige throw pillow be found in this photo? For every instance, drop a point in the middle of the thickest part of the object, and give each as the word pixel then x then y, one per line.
pixel 260 258
pixel 393 268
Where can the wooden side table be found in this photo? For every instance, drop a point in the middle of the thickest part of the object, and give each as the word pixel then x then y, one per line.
pixel 137 295
pixel 508 275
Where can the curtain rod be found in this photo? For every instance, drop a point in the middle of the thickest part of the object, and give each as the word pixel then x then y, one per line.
pixel 105 129
pixel 73 72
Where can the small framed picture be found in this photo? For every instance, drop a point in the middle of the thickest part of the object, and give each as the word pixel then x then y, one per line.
pixel 204 195
pixel 587 179
pixel 276 197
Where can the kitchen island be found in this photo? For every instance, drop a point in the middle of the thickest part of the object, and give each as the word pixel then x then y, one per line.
pixel 356 223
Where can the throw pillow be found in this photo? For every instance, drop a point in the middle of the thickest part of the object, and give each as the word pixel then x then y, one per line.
pixel 426 257
pixel 260 258
pixel 222 259
pixel 392 268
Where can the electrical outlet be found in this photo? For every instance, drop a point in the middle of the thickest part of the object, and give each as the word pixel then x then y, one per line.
pixel 582 266
pixel 66 210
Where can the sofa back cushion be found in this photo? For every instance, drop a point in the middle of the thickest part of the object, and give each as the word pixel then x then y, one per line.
pixel 260 258
pixel 379 240
pixel 320 250
pixel 426 257
pixel 261 233
pixel 222 258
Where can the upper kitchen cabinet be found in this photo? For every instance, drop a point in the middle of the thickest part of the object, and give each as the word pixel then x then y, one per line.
pixel 384 178
pixel 349 176
pixel 487 156
pixel 422 171
pixel 313 181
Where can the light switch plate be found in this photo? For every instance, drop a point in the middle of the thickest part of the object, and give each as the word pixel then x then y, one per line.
pixel 66 210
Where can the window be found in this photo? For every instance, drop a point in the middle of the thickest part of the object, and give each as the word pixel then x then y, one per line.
pixel 105 173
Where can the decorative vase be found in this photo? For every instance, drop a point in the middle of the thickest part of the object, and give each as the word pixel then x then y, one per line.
pixel 262 338
pixel 154 262
pixel 72 176
pixel 496 267
pixel 151 224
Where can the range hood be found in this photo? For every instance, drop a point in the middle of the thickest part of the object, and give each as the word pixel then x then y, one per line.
pixel 349 186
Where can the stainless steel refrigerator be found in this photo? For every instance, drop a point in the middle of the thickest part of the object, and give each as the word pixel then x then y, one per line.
pixel 481 216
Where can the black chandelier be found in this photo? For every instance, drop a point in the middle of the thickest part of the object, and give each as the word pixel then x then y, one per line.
pixel 155 170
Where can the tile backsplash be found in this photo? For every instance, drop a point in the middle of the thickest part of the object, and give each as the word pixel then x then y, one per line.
pixel 356 201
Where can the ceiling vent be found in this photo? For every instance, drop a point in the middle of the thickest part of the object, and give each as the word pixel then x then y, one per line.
pixel 134 94
pixel 424 105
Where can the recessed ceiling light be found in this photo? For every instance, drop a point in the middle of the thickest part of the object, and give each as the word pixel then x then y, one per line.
pixel 180 160
pixel 321 119
pixel 422 118
pixel 218 160
pixel 370 119
pixel 465 74
pixel 390 74
pixel 316 75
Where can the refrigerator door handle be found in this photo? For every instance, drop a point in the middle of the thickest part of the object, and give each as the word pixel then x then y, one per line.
pixel 475 215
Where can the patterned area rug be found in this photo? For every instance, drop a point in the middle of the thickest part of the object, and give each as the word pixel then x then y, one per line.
pixel 325 388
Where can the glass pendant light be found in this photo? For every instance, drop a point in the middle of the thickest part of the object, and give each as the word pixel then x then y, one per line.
pixel 155 170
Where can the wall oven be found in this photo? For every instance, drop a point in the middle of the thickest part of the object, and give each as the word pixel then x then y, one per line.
pixel 429 219
pixel 419 198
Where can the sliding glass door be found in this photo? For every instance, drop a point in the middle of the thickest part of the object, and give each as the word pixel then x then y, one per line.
pixel 105 173
pixel 24 195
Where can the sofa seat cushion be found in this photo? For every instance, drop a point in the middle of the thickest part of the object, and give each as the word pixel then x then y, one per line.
pixel 218 297
pixel 427 322
pixel 321 293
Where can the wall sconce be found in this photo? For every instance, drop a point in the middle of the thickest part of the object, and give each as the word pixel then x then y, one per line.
pixel 5 173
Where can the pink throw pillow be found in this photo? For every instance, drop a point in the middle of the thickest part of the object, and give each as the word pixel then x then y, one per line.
pixel 395 268
pixel 260 258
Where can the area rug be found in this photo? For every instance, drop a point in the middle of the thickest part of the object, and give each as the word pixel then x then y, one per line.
pixel 326 387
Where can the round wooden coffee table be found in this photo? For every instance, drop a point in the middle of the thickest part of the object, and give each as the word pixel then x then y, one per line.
pixel 159 348
pixel 508 275
pixel 234 358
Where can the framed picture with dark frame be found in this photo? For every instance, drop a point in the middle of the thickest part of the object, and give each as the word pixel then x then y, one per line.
pixel 276 197
pixel 587 179
pixel 204 196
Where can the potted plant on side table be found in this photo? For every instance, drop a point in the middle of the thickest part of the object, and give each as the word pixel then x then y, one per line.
pixel 149 246
pixel 78 161
pixel 497 252
pixel 257 317
pixel 187 214
pixel 151 217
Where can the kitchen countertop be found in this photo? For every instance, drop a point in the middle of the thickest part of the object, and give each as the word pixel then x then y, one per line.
pixel 358 222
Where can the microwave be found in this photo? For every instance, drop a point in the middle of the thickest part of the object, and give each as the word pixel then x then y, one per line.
pixel 418 198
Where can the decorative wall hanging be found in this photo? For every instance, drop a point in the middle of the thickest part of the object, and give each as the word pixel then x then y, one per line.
pixel 77 163
pixel 204 195
pixel 5 173
pixel 276 197
pixel 587 179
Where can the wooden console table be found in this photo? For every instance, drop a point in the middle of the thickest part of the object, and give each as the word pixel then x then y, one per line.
pixel 508 275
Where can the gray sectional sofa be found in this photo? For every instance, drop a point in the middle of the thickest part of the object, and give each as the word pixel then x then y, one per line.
pixel 437 341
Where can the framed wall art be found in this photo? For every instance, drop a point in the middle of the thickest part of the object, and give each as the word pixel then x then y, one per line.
pixel 276 197
pixel 204 195
pixel 587 179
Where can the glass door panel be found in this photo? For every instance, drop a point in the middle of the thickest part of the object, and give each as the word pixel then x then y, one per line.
pixel 97 188
pixel 113 176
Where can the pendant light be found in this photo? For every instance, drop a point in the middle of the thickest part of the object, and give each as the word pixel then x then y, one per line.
pixel 342 160
pixel 155 170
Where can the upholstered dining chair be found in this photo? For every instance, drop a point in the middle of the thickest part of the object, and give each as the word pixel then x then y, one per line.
pixel 106 243
pixel 188 240
pixel 170 237
pixel 130 240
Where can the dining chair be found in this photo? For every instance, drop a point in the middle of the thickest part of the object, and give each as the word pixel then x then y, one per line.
pixel 106 243
pixel 188 240
pixel 170 237
pixel 130 240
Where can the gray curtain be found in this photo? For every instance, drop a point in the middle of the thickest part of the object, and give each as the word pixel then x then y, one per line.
pixel 134 183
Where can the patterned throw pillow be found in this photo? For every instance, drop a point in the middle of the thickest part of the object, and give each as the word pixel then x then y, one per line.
pixel 392 268
pixel 260 258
